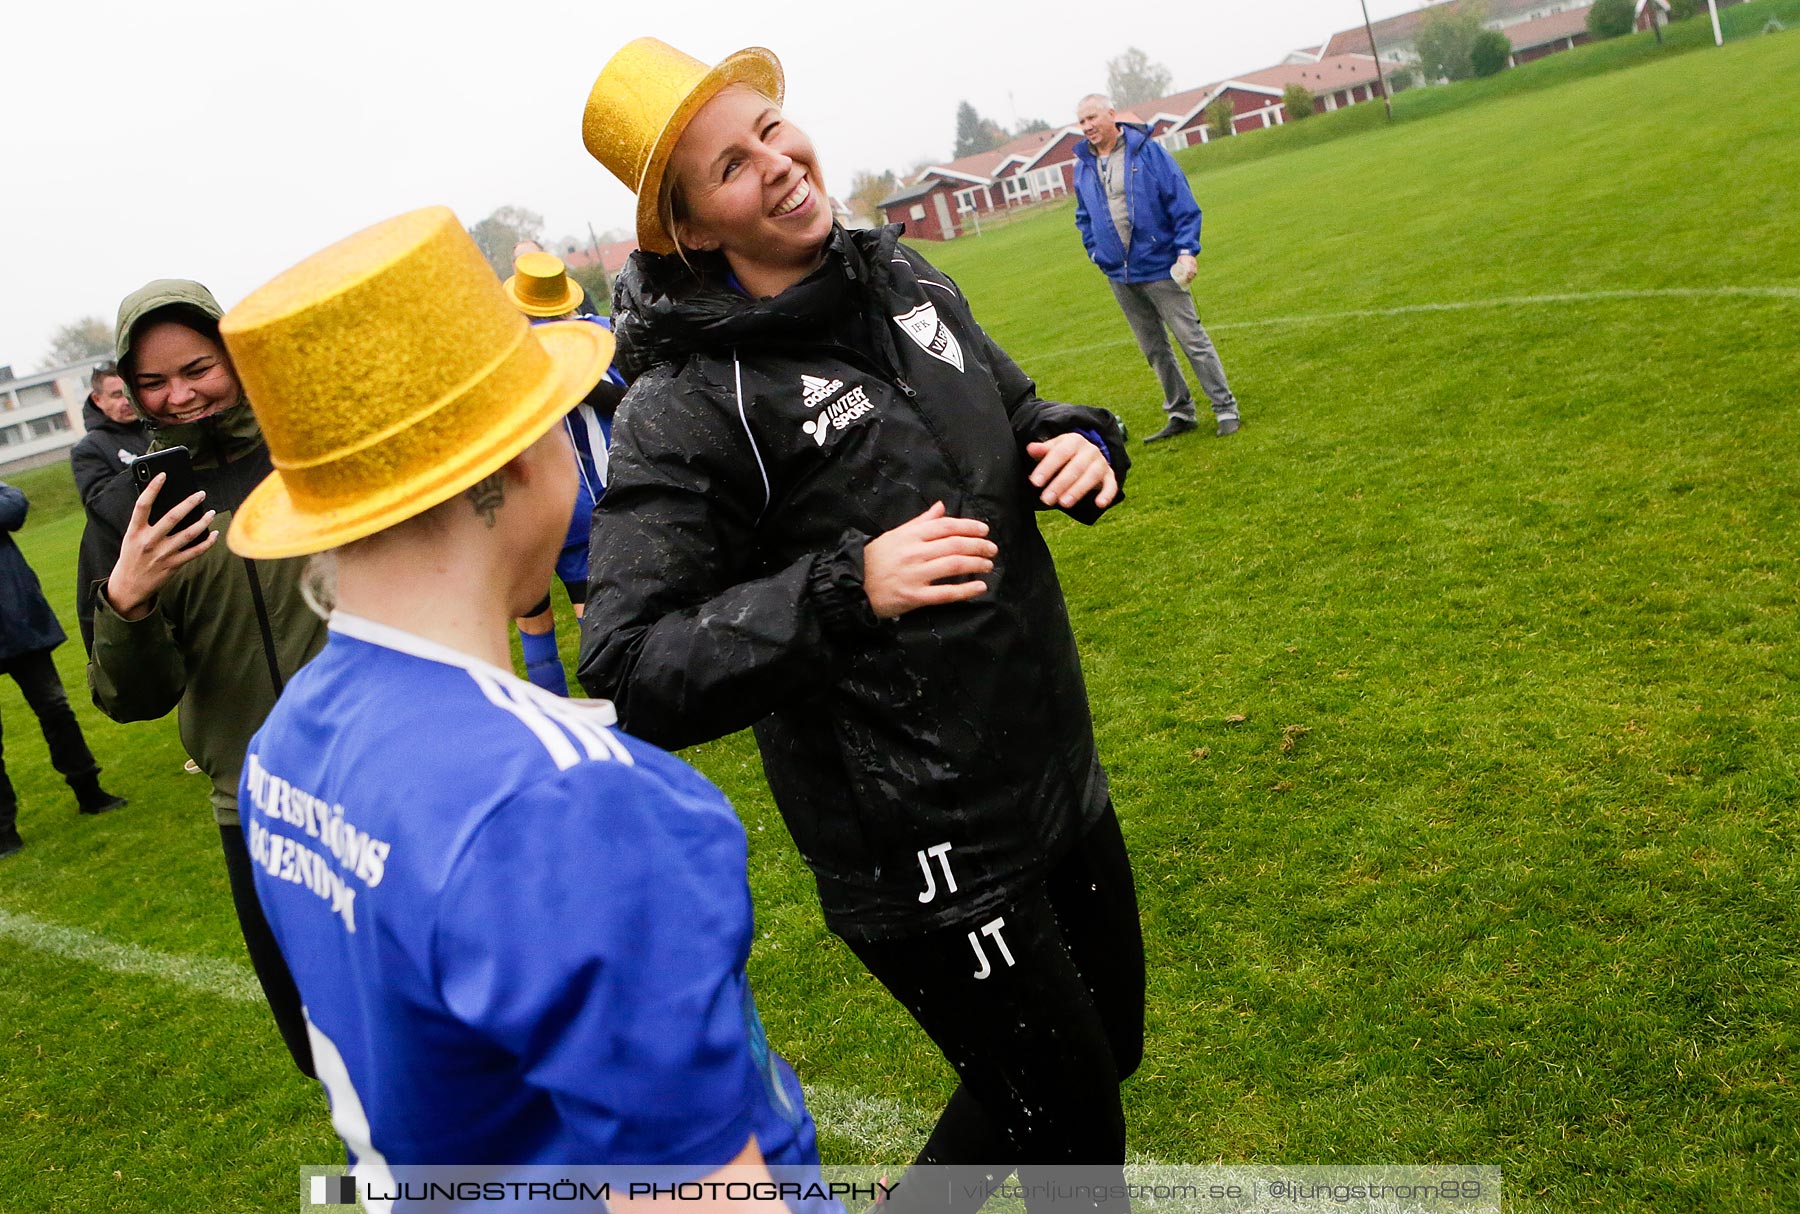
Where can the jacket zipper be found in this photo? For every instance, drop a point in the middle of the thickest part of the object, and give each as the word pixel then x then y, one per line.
pixel 877 321
pixel 1125 167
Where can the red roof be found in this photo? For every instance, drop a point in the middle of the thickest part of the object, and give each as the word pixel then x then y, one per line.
pixel 1328 75
pixel 982 165
pixel 1178 105
pixel 1545 30
pixel 610 256
pixel 1405 27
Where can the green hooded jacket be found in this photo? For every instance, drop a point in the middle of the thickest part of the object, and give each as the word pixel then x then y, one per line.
pixel 202 646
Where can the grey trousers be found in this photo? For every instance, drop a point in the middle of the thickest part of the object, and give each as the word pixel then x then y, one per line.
pixel 1148 306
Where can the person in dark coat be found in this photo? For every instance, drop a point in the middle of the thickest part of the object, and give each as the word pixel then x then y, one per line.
pixel 115 436
pixel 28 632
pixel 821 523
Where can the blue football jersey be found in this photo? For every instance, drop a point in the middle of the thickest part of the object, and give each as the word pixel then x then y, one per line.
pixel 519 935
pixel 590 430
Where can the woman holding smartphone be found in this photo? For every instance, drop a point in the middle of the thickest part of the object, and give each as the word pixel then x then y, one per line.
pixel 821 523
pixel 179 622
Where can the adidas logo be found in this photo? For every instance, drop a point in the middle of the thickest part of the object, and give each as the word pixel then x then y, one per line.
pixel 817 391
pixel 853 406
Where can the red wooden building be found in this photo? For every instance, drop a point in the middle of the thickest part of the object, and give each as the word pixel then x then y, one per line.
pixel 947 200
pixel 1335 82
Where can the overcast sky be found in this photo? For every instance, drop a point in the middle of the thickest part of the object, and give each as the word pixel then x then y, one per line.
pixel 224 140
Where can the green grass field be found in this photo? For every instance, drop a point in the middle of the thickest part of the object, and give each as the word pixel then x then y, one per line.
pixel 1452 707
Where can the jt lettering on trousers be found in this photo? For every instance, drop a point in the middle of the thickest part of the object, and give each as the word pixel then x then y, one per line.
pixel 993 930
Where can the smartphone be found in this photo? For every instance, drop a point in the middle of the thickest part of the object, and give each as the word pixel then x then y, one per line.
pixel 178 483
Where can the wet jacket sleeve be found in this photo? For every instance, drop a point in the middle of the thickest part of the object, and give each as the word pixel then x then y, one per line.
pixel 135 668
pixel 1084 222
pixel 684 632
pixel 1177 199
pixel 13 508
pixel 1035 419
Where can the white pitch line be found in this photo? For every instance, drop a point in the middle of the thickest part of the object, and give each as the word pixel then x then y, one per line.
pixel 222 978
pixel 1461 305
pixel 882 1129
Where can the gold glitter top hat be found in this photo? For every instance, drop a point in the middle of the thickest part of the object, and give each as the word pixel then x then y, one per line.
pixel 390 372
pixel 644 99
pixel 540 286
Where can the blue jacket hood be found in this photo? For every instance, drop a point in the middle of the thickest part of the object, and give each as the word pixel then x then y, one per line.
pixel 1132 132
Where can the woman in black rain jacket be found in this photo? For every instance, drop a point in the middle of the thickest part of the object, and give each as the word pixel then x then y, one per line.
pixel 821 524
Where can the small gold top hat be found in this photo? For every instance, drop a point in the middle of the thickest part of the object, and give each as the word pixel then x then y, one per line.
pixel 389 373
pixel 540 286
pixel 644 99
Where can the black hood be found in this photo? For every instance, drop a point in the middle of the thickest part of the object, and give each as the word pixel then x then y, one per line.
pixel 94 419
pixel 665 309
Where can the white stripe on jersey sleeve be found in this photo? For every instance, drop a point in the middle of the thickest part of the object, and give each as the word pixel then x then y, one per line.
pixel 598 456
pixel 580 719
pixel 550 716
pixel 562 752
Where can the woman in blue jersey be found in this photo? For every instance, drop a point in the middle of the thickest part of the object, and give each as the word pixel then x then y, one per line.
pixel 519 936
pixel 541 288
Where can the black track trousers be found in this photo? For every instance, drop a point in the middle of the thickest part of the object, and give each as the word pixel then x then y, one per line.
pixel 1040 1008
pixel 265 955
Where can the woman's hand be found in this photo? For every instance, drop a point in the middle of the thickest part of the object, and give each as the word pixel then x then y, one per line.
pixel 902 568
pixel 152 552
pixel 1069 467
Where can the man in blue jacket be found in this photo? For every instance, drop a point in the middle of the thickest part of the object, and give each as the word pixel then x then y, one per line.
pixel 1140 224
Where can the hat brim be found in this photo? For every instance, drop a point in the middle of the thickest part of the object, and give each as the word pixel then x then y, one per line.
pixel 270 524
pixel 753 66
pixel 570 301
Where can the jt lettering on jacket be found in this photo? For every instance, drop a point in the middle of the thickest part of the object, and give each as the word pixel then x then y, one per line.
pixel 942 852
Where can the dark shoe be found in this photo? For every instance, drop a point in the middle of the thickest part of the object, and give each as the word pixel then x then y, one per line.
pixel 90 798
pixel 10 843
pixel 1227 426
pixel 1176 425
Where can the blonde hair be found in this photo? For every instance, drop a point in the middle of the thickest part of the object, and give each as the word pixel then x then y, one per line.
pixel 318 583
pixel 319 577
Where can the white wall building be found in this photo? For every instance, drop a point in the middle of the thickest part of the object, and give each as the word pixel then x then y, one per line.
pixel 40 413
